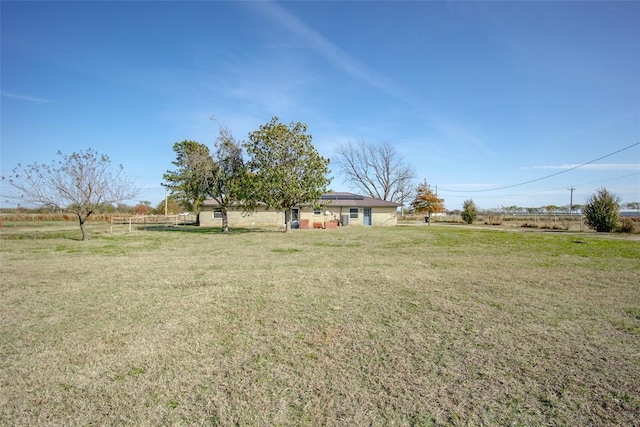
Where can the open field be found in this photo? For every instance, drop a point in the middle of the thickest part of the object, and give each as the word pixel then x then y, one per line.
pixel 410 325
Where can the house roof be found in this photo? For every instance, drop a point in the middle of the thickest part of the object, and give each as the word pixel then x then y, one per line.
pixel 340 199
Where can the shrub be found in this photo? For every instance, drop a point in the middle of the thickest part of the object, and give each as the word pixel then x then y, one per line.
pixel 627 225
pixel 469 211
pixel 601 211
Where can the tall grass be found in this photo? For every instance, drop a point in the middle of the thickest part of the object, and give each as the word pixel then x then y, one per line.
pixel 356 326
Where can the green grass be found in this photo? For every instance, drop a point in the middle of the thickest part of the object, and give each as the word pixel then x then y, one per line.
pixel 356 326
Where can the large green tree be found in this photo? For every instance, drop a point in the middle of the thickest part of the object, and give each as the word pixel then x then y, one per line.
pixel 201 174
pixel 186 183
pixel 78 183
pixel 286 170
pixel 602 211
pixel 228 179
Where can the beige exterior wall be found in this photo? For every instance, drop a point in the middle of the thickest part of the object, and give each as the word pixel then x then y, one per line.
pixel 380 216
pixel 243 219
pixel 384 216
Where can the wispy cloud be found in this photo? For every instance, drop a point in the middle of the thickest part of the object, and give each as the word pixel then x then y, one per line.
pixel 351 66
pixel 24 97
pixel 354 68
pixel 595 166
pixel 336 56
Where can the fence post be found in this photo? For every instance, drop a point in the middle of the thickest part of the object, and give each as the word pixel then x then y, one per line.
pixel 129 224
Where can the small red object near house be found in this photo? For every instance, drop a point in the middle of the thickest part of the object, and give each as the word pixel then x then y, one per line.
pixel 330 225
pixel 317 225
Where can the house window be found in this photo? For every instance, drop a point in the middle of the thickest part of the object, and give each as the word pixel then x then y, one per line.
pixel 317 212
pixel 217 214
pixel 353 213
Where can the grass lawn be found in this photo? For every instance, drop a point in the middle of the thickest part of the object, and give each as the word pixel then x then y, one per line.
pixel 410 325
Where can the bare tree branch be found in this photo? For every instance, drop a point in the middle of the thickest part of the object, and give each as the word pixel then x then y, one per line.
pixel 77 183
pixel 376 170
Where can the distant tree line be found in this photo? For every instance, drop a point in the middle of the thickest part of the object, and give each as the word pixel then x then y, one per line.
pixel 143 207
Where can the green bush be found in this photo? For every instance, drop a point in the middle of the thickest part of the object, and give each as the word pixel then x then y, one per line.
pixel 601 212
pixel 469 211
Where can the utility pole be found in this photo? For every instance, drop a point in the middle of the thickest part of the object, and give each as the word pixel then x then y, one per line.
pixel 572 189
pixel 166 202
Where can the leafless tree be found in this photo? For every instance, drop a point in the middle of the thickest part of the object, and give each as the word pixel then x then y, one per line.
pixel 77 183
pixel 376 170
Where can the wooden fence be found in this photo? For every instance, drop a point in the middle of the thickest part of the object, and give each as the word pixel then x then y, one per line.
pixel 143 221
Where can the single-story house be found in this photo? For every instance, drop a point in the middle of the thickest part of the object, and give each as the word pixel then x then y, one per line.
pixel 345 209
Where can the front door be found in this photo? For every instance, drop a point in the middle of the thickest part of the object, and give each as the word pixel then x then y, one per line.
pixel 366 216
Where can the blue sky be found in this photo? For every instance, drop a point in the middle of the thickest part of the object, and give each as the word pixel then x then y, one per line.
pixel 476 96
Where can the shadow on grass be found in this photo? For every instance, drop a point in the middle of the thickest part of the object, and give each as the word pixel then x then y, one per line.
pixel 195 229
pixel 42 235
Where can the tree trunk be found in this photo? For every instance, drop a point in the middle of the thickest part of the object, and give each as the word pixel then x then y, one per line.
pixel 287 220
pixel 225 221
pixel 83 227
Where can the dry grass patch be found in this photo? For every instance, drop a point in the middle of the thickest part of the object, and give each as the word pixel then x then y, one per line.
pixel 400 326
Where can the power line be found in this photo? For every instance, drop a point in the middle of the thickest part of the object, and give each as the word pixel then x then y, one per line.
pixel 527 193
pixel 588 183
pixel 544 177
